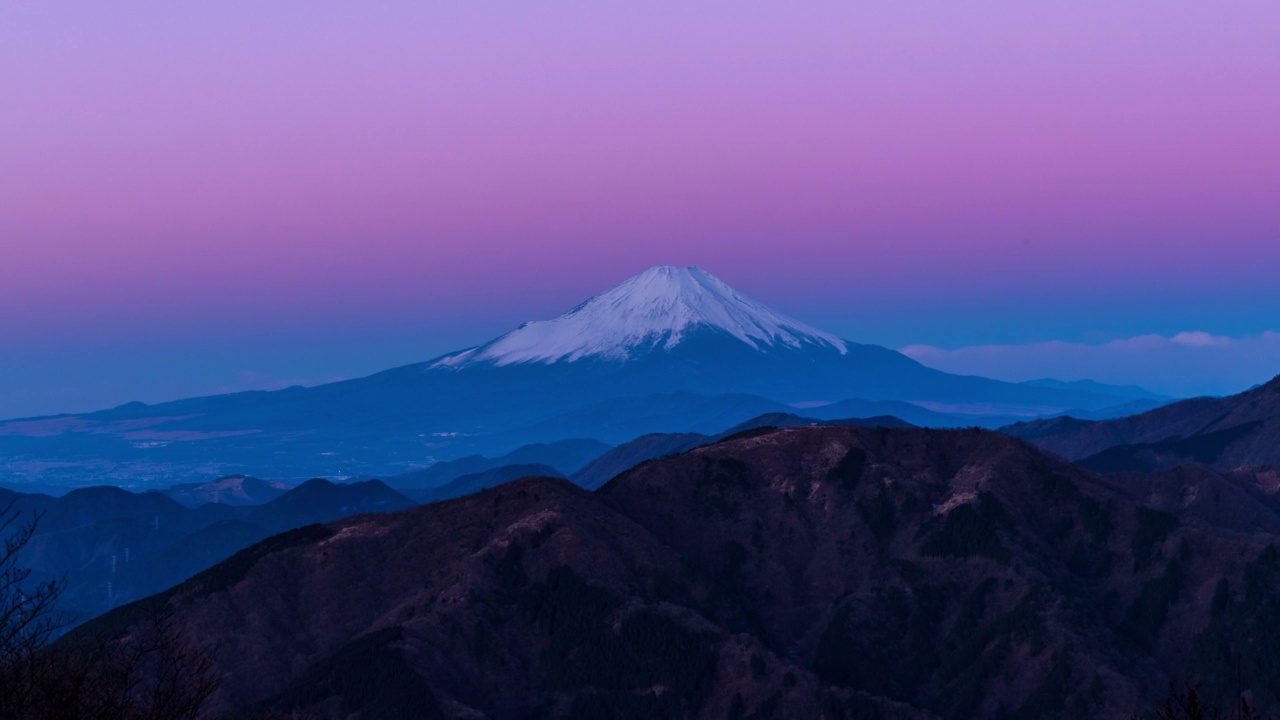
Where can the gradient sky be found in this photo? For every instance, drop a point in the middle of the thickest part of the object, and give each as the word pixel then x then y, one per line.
pixel 201 197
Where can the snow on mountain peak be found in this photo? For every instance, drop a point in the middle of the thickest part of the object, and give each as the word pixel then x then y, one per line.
pixel 658 308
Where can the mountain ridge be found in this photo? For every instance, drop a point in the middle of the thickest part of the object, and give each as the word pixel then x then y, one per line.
pixel 1227 433
pixel 806 572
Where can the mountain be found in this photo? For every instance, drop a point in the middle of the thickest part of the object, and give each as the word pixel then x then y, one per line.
pixel 681 329
pixel 786 420
pixel 1236 431
pixel 1132 392
pixel 1111 412
pixel 625 362
pixel 491 478
pixel 630 454
pixel 656 445
pixel 230 490
pixel 1242 500
pixel 832 572
pixel 319 500
pixel 566 455
pixel 113 546
pixel 909 412
pixel 655 311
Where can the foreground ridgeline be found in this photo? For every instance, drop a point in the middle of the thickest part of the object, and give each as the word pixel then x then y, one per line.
pixel 815 572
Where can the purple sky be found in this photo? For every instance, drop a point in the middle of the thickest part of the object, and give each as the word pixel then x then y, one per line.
pixel 203 197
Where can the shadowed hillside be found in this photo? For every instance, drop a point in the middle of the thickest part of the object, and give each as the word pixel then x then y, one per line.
pixel 1237 431
pixel 806 572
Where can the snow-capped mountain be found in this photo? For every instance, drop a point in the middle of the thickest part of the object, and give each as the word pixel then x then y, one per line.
pixel 655 310
pixel 670 350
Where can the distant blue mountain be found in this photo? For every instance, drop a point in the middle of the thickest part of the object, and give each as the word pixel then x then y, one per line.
pixel 1126 391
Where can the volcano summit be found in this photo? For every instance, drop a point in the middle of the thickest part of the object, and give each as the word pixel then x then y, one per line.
pixel 656 310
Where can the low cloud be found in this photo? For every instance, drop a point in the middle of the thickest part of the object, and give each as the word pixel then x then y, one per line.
pixel 1184 365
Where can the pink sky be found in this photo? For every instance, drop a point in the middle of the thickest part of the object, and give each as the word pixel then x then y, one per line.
pixel 245 170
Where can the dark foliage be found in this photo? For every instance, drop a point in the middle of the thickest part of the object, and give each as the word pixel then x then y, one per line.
pixel 968 530
pixel 1237 649
pixel 890 652
pixel 1190 705
pixel 848 472
pixel 1145 617
pixel 368 676
pixel 1153 526
pixel 613 673
pixel 152 673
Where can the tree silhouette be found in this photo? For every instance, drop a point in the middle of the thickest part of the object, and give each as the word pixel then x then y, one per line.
pixel 1187 705
pixel 150 673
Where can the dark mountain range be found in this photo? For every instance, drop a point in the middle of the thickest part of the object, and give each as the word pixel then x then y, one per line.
pixel 1132 392
pixel 832 572
pixel 491 478
pixel 1231 432
pixel 786 420
pixel 156 542
pixel 628 455
pixel 113 546
pixel 565 456
pixel 319 500
pixel 655 445
pixel 230 490
pixel 602 468
pixel 914 414
pixel 670 350
pixel 1133 407
pixel 1244 500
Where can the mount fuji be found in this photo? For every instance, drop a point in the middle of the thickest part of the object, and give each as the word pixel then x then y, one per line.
pixel 681 329
pixel 673 349
pixel 656 310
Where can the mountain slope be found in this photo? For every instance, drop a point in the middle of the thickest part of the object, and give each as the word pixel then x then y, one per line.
pixel 808 572
pixel 1236 431
pixel 543 638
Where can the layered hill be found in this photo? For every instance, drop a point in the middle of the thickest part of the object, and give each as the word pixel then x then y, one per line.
pixel 656 445
pixel 112 546
pixel 230 490
pixel 565 456
pixel 669 350
pixel 832 572
pixel 1227 433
